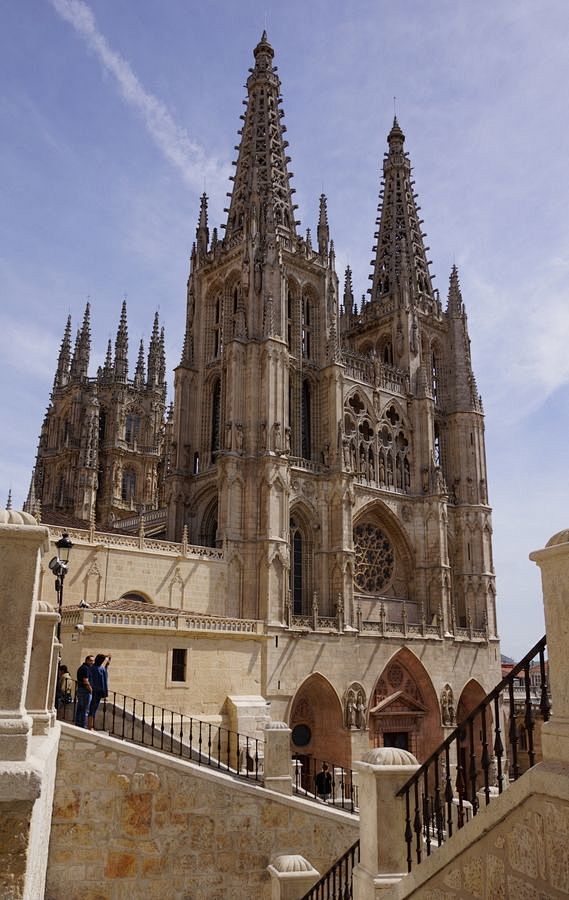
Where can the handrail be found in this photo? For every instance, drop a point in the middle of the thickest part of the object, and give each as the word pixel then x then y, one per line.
pixel 337 881
pixel 172 732
pixel 343 793
pixel 430 788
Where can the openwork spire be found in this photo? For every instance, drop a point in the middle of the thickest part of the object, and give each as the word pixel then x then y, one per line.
pixel 64 360
pixel 121 347
pixel 154 354
pixel 262 197
pixel 80 363
pixel 348 302
pixel 400 254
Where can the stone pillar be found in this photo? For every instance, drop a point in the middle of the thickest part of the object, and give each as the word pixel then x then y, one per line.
pixel 291 877
pixel 39 696
pixel 554 564
pixel 383 851
pixel 277 757
pixel 21 544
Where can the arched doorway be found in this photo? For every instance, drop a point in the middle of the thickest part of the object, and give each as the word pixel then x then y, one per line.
pixel 404 709
pixel 318 732
pixel 470 749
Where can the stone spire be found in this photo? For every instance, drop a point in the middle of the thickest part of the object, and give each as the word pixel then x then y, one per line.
pixel 31 500
pixel 121 347
pixel 323 232
pixel 399 239
pixel 108 366
pixel 80 363
pixel 261 195
pixel 64 360
pixel 454 306
pixel 162 361
pixel 462 383
pixel 9 500
pixel 348 301
pixel 139 375
pixel 154 354
pixel 202 231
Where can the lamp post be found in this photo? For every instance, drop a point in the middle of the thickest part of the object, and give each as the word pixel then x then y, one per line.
pixel 59 565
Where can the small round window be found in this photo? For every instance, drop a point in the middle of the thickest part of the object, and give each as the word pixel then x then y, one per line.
pixel 301 735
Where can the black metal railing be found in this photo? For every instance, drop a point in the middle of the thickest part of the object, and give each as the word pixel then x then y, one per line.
pixel 162 729
pixel 339 790
pixel 336 884
pixel 433 807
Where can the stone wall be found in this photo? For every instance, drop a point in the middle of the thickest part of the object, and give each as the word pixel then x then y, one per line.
pixel 515 848
pixel 128 822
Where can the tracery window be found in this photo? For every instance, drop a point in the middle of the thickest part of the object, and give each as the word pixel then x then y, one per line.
pixel 374 559
pixel 306 421
pixel 300 569
pixel 215 419
pixel 306 327
pixel 218 328
pixel 128 488
pixel 132 428
pixel 378 452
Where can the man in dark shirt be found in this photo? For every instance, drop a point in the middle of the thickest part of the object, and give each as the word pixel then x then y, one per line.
pixel 324 782
pixel 84 692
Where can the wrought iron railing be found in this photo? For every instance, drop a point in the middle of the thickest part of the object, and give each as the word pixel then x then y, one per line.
pixel 336 884
pixel 434 807
pixel 205 743
pixel 310 782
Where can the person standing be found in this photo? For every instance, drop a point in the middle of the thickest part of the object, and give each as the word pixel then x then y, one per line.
pixel 324 783
pixel 99 680
pixel 84 692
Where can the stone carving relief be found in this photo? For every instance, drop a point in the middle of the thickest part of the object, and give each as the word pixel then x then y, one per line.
pixel 447 706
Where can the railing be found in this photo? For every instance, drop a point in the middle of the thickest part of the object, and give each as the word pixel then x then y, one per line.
pixel 432 809
pixel 340 791
pixel 205 743
pixel 336 884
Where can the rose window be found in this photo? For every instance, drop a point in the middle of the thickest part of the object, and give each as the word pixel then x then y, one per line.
pixel 374 559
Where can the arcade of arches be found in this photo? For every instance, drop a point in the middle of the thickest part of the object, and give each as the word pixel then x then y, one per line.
pixel 403 710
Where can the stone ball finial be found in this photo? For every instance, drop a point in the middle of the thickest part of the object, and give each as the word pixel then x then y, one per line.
pixel 291 863
pixel 562 537
pixel 389 756
pixel 12 517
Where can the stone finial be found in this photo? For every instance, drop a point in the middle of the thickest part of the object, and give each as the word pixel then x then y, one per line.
pixel 291 863
pixel 389 756
pixel 12 517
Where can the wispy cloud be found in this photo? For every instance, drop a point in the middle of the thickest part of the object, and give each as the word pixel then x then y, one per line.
pixel 186 155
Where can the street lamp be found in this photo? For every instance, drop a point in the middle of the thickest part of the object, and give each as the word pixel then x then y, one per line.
pixel 59 565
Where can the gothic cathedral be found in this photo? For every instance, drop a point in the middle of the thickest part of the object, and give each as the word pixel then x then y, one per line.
pixel 332 452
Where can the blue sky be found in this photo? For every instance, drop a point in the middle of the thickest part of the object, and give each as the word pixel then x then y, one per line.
pixel 116 113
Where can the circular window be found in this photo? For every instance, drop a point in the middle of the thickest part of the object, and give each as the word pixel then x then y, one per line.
pixel 301 735
pixel 374 559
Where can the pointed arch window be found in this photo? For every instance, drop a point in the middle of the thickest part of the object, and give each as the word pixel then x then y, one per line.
pixel 217 328
pixel 306 327
pixel 437 452
pixel 132 428
pixel 306 420
pixel 300 569
pixel 215 419
pixel 387 353
pixel 102 425
pixel 128 488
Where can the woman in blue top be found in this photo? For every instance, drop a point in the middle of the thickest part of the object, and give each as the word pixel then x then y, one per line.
pixel 99 679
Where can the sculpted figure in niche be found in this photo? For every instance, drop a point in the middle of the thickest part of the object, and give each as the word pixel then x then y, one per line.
pixel 351 710
pixel 239 436
pixel 346 453
pixel 326 454
pixel 228 435
pixel 277 444
pixel 360 711
pixel 287 439
pixel 263 436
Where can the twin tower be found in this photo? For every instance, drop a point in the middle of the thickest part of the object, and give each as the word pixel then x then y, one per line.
pixel 334 450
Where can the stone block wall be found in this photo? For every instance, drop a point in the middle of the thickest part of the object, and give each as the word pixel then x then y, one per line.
pixel 525 857
pixel 128 822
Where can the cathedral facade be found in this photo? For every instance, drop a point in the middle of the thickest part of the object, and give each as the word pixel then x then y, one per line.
pixel 332 454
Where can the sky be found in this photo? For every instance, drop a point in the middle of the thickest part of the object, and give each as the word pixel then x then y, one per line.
pixel 116 114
